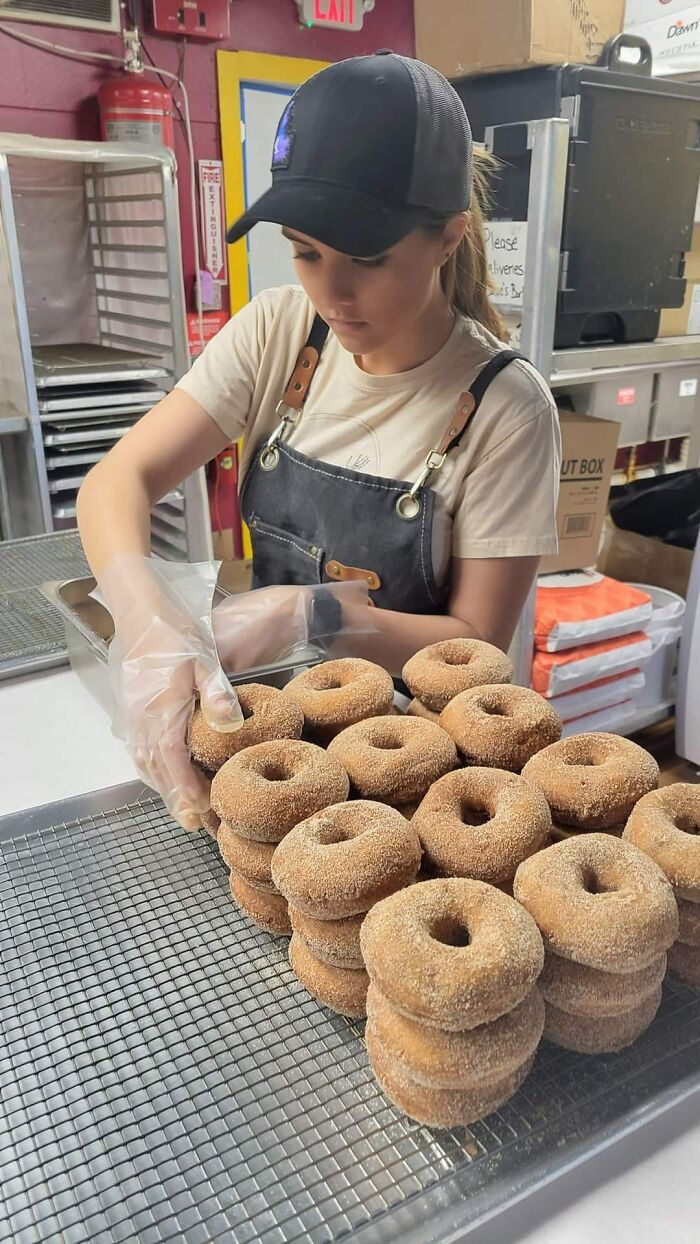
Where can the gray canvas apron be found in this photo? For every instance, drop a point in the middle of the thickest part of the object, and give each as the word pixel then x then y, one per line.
pixel 311 522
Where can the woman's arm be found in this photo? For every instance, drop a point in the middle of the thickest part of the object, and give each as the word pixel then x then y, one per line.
pixel 156 455
pixel 487 598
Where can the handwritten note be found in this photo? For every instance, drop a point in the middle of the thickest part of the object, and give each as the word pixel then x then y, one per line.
pixel 506 244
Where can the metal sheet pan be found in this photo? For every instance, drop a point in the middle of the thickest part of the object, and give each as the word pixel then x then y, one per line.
pixel 164 1076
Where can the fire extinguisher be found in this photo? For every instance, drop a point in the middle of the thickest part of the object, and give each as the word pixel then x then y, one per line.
pixel 136 111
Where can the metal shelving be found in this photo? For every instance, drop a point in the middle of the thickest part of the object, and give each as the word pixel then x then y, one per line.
pixel 94 331
pixel 548 143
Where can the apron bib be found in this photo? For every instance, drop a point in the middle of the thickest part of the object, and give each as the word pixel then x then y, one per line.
pixel 311 522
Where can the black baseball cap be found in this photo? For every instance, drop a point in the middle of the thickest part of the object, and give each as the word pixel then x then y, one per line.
pixel 366 151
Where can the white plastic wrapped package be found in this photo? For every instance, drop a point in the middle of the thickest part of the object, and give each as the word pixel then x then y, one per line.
pixel 599 695
pixel 585 607
pixel 614 720
pixel 554 673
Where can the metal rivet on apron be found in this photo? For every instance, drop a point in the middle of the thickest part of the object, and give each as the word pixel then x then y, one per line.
pixel 314 550
pixel 298 386
pixel 269 458
pixel 407 507
pixel 306 363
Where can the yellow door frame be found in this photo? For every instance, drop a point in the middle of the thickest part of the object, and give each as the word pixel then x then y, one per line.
pixel 235 69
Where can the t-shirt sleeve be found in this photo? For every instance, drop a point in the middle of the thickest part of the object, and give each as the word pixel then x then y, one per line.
pixel 508 502
pixel 223 378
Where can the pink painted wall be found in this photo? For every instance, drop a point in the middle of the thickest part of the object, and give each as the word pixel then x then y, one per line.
pixel 54 97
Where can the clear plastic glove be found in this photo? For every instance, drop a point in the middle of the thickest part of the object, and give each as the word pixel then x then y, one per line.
pixel 162 658
pixel 275 624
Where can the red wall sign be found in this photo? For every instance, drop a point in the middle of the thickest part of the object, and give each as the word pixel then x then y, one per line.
pixel 334 14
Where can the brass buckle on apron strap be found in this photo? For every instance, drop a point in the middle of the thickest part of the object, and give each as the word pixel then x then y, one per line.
pixel 408 505
pixel 291 408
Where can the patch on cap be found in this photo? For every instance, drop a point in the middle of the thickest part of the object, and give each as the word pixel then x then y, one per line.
pixel 284 138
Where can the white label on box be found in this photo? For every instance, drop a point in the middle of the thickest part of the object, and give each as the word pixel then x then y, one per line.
pixel 506 245
pixel 688 388
pixel 694 313
pixel 674 39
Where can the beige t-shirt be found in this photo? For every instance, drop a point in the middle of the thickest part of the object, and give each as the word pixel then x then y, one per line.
pixel 498 488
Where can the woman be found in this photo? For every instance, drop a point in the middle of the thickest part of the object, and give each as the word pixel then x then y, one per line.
pixel 390 438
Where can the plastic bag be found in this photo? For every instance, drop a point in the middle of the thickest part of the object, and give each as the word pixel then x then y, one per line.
pixel 666 507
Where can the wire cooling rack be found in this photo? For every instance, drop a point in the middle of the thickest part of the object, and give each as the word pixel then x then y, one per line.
pixel 31 630
pixel 164 1076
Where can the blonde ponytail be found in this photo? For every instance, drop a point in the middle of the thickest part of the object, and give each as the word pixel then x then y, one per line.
pixel 465 275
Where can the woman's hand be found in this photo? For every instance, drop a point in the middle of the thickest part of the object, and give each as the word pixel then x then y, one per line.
pixel 274 624
pixel 161 660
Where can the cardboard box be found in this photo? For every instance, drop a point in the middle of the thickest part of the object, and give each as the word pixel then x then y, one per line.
pixel 685 320
pixel 587 462
pixel 672 30
pixel 460 37
pixel 640 559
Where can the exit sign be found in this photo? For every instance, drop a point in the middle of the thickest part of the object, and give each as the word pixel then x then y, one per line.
pixel 335 14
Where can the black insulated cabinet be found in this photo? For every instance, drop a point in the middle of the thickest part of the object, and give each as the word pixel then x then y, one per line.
pixel 632 184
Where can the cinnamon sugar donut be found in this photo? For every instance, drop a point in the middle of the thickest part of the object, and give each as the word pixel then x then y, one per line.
pixel 265 790
pixel 251 860
pixel 336 694
pixel 394 759
pixel 436 1107
pixel 688 922
pixel 438 673
pixel 332 941
pixel 454 1060
pixel 586 1035
pixel 581 990
pixel 599 901
pixel 592 781
pixel 500 726
pixel 684 962
pixel 666 826
pixel 269 911
pixel 343 860
pixel 267 714
pixel 342 989
pixel 452 953
pixel 481 823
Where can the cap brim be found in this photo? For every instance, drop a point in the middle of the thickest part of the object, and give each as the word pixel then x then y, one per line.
pixel 346 220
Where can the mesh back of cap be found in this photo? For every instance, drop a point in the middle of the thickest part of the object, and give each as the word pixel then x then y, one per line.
pixel 442 161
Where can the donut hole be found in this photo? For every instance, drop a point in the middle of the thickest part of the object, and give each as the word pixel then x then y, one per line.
pixel 457 658
pixel 387 745
pixel 332 834
pixel 472 813
pixel 593 883
pixel 686 824
pixel 492 710
pixel 276 771
pixel 450 931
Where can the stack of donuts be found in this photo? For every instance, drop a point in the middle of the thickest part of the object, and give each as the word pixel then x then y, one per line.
pixel 481 823
pixel 454 1016
pixel 592 782
pixel 394 760
pixel 326 804
pixel 260 794
pixel 337 694
pixel 666 825
pixel 332 868
pixel 607 915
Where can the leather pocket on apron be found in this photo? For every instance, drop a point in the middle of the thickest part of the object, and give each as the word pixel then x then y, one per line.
pixel 280 557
